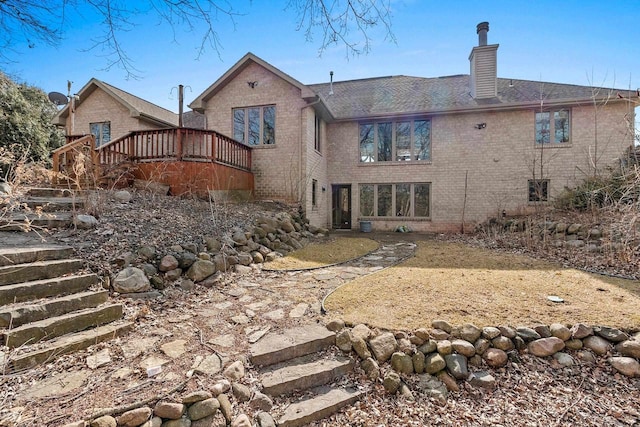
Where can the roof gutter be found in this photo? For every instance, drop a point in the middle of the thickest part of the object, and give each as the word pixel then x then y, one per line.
pixel 489 108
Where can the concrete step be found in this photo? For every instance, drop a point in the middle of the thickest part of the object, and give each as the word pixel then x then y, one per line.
pixel 13 256
pixel 20 221
pixel 326 402
pixel 49 192
pixel 10 274
pixel 65 345
pixel 291 343
pixel 20 314
pixel 29 291
pixel 61 325
pixel 52 204
pixel 302 374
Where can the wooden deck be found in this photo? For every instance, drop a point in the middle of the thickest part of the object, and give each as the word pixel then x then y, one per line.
pixel 190 161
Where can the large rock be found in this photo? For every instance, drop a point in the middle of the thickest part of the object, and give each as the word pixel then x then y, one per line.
pixel 580 331
pixel 85 222
pixel 610 334
pixel 170 410
pixel 433 388
pixel 433 363
pixel 168 263
pixel 134 417
pixel 503 343
pixel 402 363
pixel 203 409
pixel 122 196
pixel 629 348
pixel 528 334
pixel 457 365
pixel 383 346
pixel 560 331
pixel 470 332
pixel 626 366
pixel 131 280
pixel 463 347
pixel 392 382
pixel 597 344
pixel 544 347
pixel 200 270
pixel 495 357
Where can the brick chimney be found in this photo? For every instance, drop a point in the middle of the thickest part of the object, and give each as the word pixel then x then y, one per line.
pixel 484 67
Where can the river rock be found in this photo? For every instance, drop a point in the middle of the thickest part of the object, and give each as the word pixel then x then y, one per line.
pixel 200 270
pixel 626 366
pixel 457 365
pixel 629 348
pixel 383 346
pixel 464 347
pixel 131 280
pixel 610 334
pixel 544 347
pixel 560 331
pixel 580 331
pixel 495 357
pixel 598 345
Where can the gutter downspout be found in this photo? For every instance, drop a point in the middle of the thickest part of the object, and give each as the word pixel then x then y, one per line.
pixel 302 178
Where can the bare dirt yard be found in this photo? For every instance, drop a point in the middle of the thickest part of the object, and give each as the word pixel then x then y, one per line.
pixel 463 284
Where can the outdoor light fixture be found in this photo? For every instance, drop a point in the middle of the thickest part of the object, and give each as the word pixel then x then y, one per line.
pixel 324 189
pixel 480 126
pixel 252 85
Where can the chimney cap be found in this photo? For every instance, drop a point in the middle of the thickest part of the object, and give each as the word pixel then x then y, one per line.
pixel 482 26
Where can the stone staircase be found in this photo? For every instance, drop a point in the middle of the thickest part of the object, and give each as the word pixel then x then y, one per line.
pixel 49 307
pixel 44 208
pixel 297 360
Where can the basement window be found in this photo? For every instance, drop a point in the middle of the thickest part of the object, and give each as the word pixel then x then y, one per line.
pixel 395 200
pixel 314 194
pixel 538 190
pixel 553 127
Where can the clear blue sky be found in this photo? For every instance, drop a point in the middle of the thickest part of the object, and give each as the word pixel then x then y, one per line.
pixel 579 42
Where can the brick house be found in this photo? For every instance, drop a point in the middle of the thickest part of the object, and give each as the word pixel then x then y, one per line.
pixel 109 113
pixel 428 153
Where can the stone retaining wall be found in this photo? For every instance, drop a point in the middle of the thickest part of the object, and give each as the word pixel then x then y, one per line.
pixel 204 261
pixel 442 357
pixel 445 355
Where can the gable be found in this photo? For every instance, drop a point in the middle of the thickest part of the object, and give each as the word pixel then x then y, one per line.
pixel 256 66
pixel 136 107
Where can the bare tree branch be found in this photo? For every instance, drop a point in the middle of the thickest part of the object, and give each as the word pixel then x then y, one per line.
pixel 347 22
pixel 338 20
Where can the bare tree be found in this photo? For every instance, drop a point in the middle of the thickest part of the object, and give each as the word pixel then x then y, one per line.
pixel 34 22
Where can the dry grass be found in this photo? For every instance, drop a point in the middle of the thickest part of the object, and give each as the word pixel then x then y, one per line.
pixel 461 284
pixel 318 255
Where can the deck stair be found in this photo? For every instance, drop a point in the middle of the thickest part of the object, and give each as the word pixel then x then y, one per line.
pixel 44 208
pixel 297 360
pixel 50 307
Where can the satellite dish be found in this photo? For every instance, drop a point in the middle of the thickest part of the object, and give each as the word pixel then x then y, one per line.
pixel 58 98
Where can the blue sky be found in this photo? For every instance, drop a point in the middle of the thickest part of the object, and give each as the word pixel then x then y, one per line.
pixel 579 42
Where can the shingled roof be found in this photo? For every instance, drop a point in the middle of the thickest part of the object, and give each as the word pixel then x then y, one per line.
pixel 397 95
pixel 137 107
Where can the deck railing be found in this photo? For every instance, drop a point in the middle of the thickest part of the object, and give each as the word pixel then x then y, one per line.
pixel 183 144
pixel 65 159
